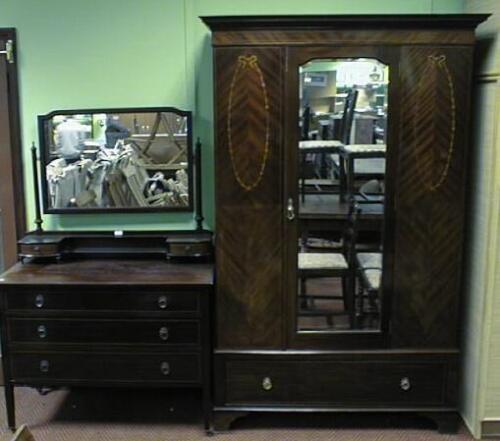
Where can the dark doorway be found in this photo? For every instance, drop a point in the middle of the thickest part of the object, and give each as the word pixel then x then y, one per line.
pixel 12 210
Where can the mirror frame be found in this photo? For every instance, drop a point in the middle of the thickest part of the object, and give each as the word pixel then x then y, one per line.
pixel 384 315
pixel 43 136
pixel 297 56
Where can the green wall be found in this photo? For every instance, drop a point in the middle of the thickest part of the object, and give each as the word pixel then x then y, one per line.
pixel 124 53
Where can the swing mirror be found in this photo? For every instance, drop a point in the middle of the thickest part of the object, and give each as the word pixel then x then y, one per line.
pixel 118 160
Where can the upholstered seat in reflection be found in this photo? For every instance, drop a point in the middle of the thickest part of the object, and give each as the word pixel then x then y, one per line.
pixel 369 260
pixel 369 268
pixel 319 145
pixel 372 278
pixel 364 148
pixel 324 265
pixel 322 261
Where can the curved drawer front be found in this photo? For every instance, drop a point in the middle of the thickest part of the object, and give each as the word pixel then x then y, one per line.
pixel 356 384
pixel 97 331
pixel 95 367
pixel 99 300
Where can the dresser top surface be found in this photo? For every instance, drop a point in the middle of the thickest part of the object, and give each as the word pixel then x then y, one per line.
pixel 109 272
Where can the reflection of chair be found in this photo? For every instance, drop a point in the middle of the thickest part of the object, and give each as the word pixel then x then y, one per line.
pixel 368 270
pixel 373 190
pixel 355 153
pixel 325 148
pixel 172 134
pixel 322 147
pixel 306 121
pixel 331 265
pixel 345 133
pixel 348 116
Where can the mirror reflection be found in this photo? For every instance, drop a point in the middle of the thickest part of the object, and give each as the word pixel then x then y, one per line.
pixel 343 128
pixel 117 160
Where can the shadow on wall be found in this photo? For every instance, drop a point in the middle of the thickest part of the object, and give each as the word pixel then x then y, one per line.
pixel 203 124
pixel 484 47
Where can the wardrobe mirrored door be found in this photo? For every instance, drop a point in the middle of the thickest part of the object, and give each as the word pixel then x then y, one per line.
pixel 342 125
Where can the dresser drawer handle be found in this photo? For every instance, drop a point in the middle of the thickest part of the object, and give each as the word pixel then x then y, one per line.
pixel 165 368
pixel 267 384
pixel 42 331
pixel 405 384
pixel 163 333
pixel 162 302
pixel 44 366
pixel 39 301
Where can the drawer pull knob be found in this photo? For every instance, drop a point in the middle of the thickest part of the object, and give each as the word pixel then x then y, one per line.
pixel 405 383
pixel 165 368
pixel 162 302
pixel 44 366
pixel 163 333
pixel 267 384
pixel 39 301
pixel 42 331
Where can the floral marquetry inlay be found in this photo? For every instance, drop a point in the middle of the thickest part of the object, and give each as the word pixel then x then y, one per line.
pixel 435 122
pixel 248 122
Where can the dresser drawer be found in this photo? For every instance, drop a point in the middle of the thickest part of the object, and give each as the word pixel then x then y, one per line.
pixel 79 299
pixel 95 367
pixel 336 383
pixel 97 331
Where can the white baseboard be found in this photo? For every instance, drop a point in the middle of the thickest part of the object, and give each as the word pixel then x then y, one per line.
pixel 490 428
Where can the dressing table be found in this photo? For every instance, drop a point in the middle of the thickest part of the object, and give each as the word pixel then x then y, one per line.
pixel 112 308
pixel 106 322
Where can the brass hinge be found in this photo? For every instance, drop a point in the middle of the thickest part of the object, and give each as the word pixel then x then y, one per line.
pixel 9 51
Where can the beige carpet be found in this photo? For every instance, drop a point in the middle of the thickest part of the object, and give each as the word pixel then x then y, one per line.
pixel 162 415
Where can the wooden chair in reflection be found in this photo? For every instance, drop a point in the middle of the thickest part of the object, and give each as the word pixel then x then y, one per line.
pixel 326 148
pixel 369 277
pixel 360 162
pixel 368 264
pixel 339 265
pixel 348 116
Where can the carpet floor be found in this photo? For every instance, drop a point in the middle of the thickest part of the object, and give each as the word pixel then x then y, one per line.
pixel 163 415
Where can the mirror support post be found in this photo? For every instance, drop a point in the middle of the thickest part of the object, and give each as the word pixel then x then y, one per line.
pixel 38 219
pixel 199 201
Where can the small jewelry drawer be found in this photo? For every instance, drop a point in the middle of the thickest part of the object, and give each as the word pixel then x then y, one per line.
pixel 119 300
pixel 105 332
pixel 94 367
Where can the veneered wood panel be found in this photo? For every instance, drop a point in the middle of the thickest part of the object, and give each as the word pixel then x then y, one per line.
pixel 341 37
pixel 430 196
pixel 249 242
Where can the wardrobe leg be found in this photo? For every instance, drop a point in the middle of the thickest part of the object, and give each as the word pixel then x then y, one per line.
pixel 10 406
pixel 207 412
pixel 223 420
pixel 447 422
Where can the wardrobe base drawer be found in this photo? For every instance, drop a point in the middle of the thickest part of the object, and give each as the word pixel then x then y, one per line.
pixel 105 367
pixel 335 383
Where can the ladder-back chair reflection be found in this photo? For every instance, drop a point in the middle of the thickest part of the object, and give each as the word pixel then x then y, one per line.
pixel 331 265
